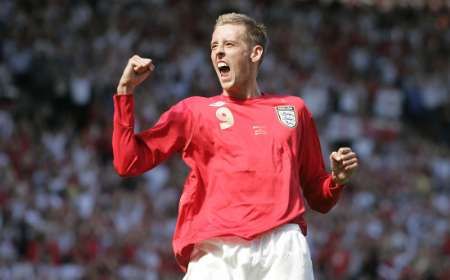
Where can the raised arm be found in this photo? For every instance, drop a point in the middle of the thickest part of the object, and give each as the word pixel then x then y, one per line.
pixel 135 153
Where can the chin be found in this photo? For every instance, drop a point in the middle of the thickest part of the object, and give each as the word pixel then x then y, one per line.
pixel 227 85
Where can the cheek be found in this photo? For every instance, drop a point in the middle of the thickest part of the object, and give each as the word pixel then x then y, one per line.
pixel 243 65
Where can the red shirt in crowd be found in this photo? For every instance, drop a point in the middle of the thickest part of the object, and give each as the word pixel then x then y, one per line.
pixel 252 162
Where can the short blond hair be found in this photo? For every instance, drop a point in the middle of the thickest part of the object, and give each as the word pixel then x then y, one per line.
pixel 256 32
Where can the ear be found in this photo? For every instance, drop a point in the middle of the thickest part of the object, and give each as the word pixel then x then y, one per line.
pixel 256 54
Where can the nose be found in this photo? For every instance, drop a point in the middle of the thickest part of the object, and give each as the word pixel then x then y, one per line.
pixel 220 52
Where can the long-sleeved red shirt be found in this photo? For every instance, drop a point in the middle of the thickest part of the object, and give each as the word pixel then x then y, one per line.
pixel 252 162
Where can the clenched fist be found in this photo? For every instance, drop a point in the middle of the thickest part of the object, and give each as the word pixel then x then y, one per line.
pixel 137 70
pixel 343 163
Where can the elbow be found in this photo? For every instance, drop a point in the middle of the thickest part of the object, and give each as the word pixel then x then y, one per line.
pixel 322 206
pixel 128 167
pixel 124 169
pixel 121 171
pixel 322 209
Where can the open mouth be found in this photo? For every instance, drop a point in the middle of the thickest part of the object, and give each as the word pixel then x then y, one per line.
pixel 223 68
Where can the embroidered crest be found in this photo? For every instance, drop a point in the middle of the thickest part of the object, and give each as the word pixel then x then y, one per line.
pixel 287 116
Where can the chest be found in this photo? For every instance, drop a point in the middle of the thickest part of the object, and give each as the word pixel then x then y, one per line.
pixel 253 131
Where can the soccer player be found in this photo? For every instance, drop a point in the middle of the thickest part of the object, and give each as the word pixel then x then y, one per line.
pixel 254 158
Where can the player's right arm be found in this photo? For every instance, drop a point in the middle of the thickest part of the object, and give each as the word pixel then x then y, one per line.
pixel 135 153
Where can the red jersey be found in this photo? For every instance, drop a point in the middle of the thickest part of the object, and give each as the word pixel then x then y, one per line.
pixel 252 162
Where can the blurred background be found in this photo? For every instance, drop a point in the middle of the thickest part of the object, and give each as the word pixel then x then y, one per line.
pixel 375 74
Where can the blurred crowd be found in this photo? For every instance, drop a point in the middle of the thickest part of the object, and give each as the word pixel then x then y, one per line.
pixel 377 80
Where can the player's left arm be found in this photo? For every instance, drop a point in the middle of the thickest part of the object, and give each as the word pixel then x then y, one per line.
pixel 320 188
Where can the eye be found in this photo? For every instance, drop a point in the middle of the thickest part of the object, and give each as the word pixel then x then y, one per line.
pixel 229 44
pixel 213 46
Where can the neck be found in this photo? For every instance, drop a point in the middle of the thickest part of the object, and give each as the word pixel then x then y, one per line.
pixel 246 91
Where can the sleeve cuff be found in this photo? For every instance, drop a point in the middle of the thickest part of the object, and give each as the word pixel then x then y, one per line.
pixel 334 187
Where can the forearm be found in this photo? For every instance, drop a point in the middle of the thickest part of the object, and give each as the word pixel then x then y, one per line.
pixel 323 193
pixel 131 155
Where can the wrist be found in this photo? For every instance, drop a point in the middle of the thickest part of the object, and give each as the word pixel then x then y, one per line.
pixel 123 89
pixel 337 180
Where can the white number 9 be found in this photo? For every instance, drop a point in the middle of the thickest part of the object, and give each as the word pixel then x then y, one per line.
pixel 225 117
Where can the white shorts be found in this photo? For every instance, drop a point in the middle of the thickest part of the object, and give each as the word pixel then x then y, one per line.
pixel 280 254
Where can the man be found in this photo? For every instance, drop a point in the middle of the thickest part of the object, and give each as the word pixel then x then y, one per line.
pixel 253 158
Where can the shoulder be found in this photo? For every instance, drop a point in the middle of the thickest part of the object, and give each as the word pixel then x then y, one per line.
pixel 196 100
pixel 189 103
pixel 298 102
pixel 198 103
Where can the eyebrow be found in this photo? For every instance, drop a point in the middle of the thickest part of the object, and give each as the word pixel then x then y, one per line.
pixel 225 41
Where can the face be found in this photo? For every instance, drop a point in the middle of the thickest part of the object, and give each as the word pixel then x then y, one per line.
pixel 231 56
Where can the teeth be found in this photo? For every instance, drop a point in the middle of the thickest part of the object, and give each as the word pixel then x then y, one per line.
pixel 221 64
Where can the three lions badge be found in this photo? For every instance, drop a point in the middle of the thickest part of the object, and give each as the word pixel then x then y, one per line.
pixel 287 116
